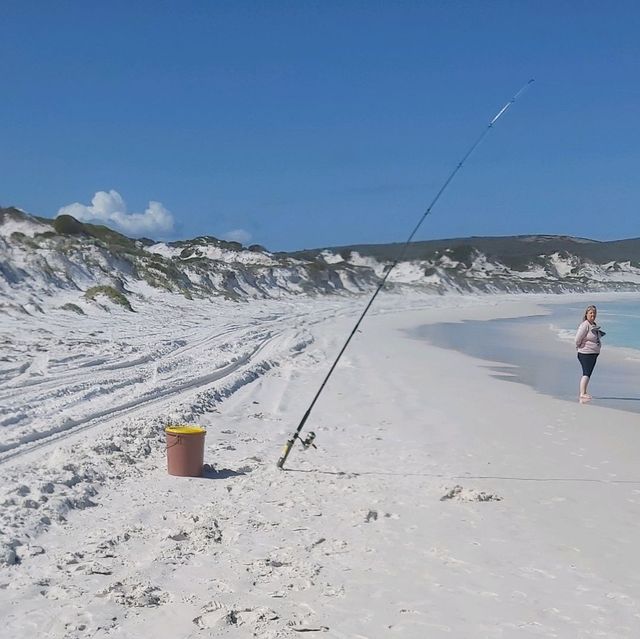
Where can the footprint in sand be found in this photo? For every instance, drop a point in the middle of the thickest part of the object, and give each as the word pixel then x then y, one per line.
pixel 81 622
pixel 533 572
pixel 329 590
pixel 215 614
pixel 373 515
pixel 620 597
pixel 458 493
pixel 60 592
pixel 219 586
pixel 133 594
pixel 285 573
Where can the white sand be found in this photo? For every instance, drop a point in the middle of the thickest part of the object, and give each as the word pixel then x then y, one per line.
pixel 441 502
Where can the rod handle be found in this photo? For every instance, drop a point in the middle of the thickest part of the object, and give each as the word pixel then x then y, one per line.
pixel 285 453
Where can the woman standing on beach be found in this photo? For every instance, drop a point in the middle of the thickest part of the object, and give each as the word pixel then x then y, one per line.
pixel 588 346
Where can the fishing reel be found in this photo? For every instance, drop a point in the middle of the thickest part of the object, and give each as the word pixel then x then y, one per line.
pixel 307 442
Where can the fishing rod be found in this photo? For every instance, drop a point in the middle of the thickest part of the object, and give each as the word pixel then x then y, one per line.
pixel 308 441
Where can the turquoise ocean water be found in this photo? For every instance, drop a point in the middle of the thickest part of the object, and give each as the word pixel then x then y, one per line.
pixel 533 354
pixel 619 320
pixel 622 323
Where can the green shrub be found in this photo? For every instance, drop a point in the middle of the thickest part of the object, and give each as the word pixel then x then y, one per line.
pixel 113 240
pixel 69 306
pixel 68 225
pixel 115 296
pixel 463 253
pixel 25 240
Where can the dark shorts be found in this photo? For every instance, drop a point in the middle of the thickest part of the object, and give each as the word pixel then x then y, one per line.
pixel 588 361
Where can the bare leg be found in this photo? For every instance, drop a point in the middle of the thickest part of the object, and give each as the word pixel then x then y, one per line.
pixel 584 382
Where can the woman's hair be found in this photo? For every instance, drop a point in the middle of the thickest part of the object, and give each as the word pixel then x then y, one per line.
pixel 591 307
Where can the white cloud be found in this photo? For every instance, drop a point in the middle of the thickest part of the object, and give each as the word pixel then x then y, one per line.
pixel 237 235
pixel 109 208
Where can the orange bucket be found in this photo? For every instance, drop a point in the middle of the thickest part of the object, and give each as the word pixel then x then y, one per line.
pixel 185 450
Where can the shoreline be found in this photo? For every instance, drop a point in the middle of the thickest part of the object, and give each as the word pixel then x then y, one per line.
pixel 531 351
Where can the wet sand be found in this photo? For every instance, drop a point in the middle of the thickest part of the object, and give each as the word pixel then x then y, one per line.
pixel 529 350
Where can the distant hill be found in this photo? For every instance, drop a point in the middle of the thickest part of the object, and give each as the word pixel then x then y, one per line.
pixel 499 248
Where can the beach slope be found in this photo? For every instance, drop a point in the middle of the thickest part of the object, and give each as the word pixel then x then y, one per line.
pixel 440 502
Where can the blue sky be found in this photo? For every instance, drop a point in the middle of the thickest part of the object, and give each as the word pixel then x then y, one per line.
pixel 309 124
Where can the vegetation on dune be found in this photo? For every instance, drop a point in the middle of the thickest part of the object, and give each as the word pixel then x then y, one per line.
pixel 68 225
pixel 17 236
pixel 522 263
pixel 114 295
pixel 102 235
pixel 47 235
pixel 69 306
pixel 113 240
pixel 463 253
pixel 162 274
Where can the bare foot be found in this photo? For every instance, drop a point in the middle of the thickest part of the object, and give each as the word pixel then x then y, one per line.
pixel 585 398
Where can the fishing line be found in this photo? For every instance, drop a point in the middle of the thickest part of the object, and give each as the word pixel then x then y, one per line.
pixel 308 441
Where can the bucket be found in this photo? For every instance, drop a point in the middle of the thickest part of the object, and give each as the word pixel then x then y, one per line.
pixel 185 450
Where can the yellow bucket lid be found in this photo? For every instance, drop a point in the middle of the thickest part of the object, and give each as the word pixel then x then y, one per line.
pixel 184 430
